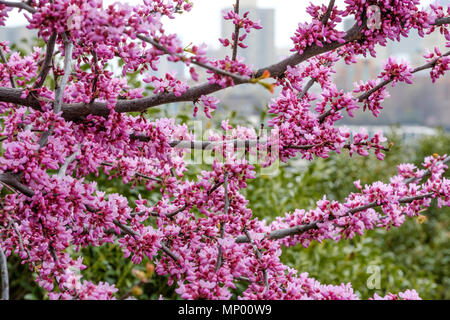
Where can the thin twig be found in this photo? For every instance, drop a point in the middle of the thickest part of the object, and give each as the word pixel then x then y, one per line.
pixel 310 83
pixel 222 224
pixel 126 229
pixel 59 94
pixel 169 252
pixel 4 276
pixel 259 256
pixel 307 87
pixel 22 247
pixel 155 214
pixel 5 61
pixel 173 214
pixel 131 232
pixel 97 74
pixel 442 21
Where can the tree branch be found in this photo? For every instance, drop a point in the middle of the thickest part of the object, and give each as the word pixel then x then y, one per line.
pixel 237 28
pixel 259 256
pixel 19 5
pixel 4 276
pixel 222 224
pixel 382 84
pixel 74 112
pixel 69 160
pixel 134 234
pixel 79 111
pixel 59 94
pixel 426 173
pixel 5 61
pixel 442 21
pixel 308 86
pixel 169 252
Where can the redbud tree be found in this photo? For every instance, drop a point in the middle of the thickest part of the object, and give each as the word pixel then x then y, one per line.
pixel 66 115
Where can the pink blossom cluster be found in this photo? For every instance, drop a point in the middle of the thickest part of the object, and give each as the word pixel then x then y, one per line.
pixel 337 100
pixel 407 295
pixel 69 211
pixel 437 11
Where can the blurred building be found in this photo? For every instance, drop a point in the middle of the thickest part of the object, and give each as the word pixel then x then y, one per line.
pixel 261 52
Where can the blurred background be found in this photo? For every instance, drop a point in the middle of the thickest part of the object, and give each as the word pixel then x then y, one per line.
pixel 416 119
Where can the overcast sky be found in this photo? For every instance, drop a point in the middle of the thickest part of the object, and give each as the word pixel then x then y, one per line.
pixel 202 24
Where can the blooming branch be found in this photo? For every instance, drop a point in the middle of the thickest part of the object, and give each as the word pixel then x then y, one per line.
pixel 4 276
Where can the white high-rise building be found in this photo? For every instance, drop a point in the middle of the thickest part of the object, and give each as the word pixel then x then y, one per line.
pixel 261 52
